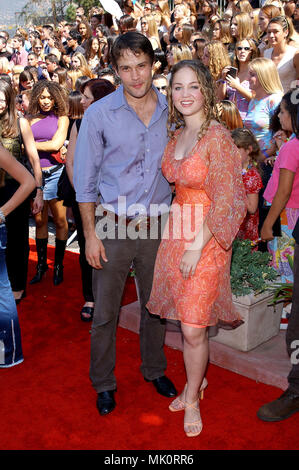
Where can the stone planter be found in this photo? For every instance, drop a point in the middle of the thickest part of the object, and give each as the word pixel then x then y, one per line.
pixel 261 322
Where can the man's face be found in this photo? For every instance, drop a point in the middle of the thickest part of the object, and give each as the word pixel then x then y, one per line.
pixel 32 60
pixel 2 45
pixel 135 71
pixel 51 66
pixel 16 44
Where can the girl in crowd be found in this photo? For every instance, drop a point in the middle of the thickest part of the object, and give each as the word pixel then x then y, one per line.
pixel 181 14
pixel 188 284
pixel 284 56
pixel 149 29
pixel 282 191
pixel 229 114
pixel 250 154
pixel 14 132
pixel 11 352
pixel 84 30
pixel 265 84
pixel 91 91
pixel 241 27
pixel 48 118
pixel 221 32
pixel 93 53
pixel 26 80
pixel 266 13
pixel 237 88
pixel 79 62
pixel 216 58
pixel 60 76
pixel 209 10
pixel 184 33
pixel 176 53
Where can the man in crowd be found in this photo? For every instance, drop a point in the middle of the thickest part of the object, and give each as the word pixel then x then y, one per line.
pixel 113 159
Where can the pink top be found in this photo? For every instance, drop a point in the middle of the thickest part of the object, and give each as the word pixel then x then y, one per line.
pixel 288 158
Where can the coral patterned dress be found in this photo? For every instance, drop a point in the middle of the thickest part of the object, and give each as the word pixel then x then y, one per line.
pixel 209 187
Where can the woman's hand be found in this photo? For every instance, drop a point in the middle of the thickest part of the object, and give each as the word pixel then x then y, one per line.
pixel 280 138
pixel 225 72
pixel 189 262
pixel 38 202
pixel 233 82
pixel 266 233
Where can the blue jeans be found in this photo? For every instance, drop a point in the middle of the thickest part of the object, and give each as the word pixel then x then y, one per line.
pixel 10 333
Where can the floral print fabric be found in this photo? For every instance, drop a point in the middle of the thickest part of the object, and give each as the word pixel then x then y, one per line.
pixel 209 187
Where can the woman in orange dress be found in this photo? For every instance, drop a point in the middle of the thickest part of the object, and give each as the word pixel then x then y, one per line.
pixel 192 272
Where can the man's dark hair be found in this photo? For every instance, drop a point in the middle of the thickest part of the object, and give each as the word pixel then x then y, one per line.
pixel 102 73
pixel 136 42
pixel 48 27
pixel 75 35
pixel 52 58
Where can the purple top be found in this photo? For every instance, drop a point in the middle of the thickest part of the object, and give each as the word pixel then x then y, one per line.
pixel 43 130
pixel 239 100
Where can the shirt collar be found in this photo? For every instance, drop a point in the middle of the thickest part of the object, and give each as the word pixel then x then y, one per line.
pixel 119 100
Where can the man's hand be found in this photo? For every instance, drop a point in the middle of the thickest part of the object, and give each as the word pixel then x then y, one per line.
pixel 38 202
pixel 94 251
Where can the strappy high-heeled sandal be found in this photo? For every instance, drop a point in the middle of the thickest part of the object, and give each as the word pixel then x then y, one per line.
pixel 194 423
pixel 179 405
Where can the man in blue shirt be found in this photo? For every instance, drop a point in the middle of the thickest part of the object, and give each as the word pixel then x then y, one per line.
pixel 118 162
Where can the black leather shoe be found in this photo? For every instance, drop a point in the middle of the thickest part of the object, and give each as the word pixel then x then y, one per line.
pixel 106 402
pixel 58 274
pixel 282 408
pixel 164 386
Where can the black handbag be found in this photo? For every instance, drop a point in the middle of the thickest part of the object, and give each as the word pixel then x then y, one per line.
pixel 65 191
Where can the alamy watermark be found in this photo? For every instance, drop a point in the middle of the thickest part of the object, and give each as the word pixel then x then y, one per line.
pixel 181 221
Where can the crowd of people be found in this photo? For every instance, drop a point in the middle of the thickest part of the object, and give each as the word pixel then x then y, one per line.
pixel 90 108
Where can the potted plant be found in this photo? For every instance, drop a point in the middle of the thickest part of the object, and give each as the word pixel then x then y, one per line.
pixel 252 280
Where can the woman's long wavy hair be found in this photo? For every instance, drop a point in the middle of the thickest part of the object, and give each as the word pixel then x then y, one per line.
pixel 58 94
pixel 8 119
pixel 218 58
pixel 207 87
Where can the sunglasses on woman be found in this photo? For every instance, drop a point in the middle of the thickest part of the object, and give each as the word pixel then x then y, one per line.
pixel 239 48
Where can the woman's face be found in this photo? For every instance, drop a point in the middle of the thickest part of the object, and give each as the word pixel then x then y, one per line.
pixel 285 117
pixel 263 21
pixel 55 77
pixel 3 104
pixel 170 58
pixel 46 101
pixel 76 64
pixel 87 98
pixel 178 33
pixel 296 11
pixel 186 93
pixel 82 29
pixel 254 82
pixel 234 28
pixel 243 51
pixel 144 26
pixel 28 84
pixel 95 45
pixel 216 32
pixel 276 34
pixel 206 57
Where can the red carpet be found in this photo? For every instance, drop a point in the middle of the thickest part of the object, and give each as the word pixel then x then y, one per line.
pixel 47 402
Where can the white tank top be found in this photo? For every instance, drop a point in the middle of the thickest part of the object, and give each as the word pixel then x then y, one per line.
pixel 285 68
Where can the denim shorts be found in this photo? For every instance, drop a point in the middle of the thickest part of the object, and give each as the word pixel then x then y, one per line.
pixel 50 185
pixel 10 334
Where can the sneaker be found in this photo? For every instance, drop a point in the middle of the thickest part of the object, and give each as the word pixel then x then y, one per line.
pixel 281 408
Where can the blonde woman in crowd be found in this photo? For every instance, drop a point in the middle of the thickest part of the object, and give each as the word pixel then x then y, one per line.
pixel 149 29
pixel 241 27
pixel 176 53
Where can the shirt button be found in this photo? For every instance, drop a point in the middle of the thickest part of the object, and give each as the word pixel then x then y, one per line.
pixel 145 190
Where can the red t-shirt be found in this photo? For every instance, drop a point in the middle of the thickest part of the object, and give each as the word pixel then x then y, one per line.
pixel 253 184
